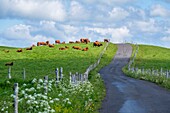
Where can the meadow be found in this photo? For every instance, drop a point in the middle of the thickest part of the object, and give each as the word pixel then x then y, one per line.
pixel 153 58
pixel 42 61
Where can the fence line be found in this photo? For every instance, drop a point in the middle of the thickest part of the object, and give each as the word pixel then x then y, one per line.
pixel 91 67
pixel 133 59
pixel 16 98
pixel 81 78
pixel 143 71
pixel 151 72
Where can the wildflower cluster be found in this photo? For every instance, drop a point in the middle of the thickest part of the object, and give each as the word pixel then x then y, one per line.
pixel 60 97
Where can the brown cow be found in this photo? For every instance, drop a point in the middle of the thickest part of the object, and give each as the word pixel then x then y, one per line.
pixel 57 41
pixel 41 43
pixel 71 42
pixel 63 42
pixel 51 45
pixel 47 42
pixel 76 47
pixel 66 47
pixel 84 40
pixel 97 44
pixel 106 40
pixel 77 41
pixel 62 48
pixel 85 49
pixel 30 48
pixel 19 50
pixel 9 64
pixel 33 45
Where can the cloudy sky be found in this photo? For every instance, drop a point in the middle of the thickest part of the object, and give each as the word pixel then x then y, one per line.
pixel 24 22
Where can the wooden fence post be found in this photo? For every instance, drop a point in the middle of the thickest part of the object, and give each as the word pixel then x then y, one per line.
pixel 46 84
pixel 71 78
pixel 143 71
pixel 167 74
pixel 24 73
pixel 15 97
pixel 161 71
pixel 61 73
pixel 57 75
pixel 9 72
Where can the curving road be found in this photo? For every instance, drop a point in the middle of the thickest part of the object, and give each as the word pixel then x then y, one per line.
pixel 128 95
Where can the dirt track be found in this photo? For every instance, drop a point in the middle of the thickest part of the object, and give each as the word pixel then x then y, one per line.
pixel 128 95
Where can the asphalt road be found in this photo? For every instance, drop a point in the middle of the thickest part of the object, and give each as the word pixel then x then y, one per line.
pixel 128 95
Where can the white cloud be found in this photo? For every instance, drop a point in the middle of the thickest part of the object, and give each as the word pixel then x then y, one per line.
pixel 166 38
pixel 118 13
pixel 20 35
pixel 77 11
pixel 108 2
pixel 117 35
pixel 33 9
pixel 17 32
pixel 158 10
pixel 148 26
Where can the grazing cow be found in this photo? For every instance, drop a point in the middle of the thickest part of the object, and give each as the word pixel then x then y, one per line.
pixel 71 42
pixel 85 49
pixel 62 48
pixel 19 50
pixel 106 40
pixel 97 44
pixel 41 43
pixel 57 41
pixel 77 41
pixel 51 45
pixel 9 64
pixel 76 47
pixel 47 42
pixel 66 47
pixel 29 48
pixel 84 40
pixel 63 42
pixel 33 45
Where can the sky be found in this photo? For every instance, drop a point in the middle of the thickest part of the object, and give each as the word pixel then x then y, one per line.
pixel 25 22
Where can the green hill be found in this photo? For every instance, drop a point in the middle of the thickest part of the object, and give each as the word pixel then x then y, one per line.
pixel 153 57
pixel 155 61
pixel 42 61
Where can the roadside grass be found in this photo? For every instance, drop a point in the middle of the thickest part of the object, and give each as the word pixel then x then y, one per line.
pixel 43 60
pixel 151 57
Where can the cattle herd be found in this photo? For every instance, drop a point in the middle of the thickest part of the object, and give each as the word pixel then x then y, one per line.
pixel 82 40
pixel 47 43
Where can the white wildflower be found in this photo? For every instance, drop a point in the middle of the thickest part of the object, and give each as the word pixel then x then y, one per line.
pixel 34 80
pixel 51 101
pixel 60 95
pixel 40 81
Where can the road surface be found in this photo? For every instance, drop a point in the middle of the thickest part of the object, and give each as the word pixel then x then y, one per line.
pixel 128 95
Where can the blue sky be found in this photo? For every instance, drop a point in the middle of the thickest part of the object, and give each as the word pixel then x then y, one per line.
pixel 25 22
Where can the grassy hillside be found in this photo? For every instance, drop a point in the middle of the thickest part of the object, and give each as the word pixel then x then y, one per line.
pixel 42 61
pixel 153 57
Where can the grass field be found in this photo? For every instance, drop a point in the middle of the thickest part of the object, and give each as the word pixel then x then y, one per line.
pixel 43 60
pixel 151 57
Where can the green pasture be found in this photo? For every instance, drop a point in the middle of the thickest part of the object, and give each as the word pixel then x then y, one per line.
pixel 43 60
pixel 152 57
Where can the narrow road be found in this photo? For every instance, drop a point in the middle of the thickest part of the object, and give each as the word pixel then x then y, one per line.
pixel 128 95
